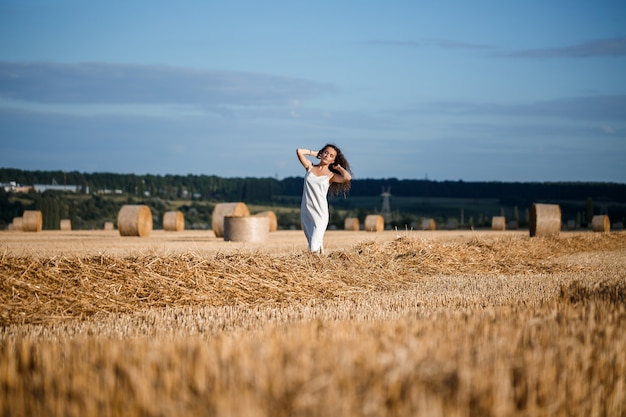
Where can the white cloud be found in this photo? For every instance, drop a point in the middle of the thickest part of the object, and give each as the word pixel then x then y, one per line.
pixel 440 43
pixel 611 108
pixel 590 49
pixel 607 129
pixel 103 83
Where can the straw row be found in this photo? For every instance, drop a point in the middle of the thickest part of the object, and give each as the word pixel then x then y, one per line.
pixel 35 290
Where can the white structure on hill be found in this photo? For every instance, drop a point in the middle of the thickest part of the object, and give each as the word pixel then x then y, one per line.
pixel 386 209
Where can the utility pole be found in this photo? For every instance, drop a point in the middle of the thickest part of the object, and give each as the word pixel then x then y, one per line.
pixel 386 209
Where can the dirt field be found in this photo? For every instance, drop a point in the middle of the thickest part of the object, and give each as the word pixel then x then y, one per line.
pixel 445 323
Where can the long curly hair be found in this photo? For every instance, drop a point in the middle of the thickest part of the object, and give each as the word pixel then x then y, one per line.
pixel 335 187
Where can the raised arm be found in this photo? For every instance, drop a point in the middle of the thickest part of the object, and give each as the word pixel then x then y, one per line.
pixel 303 153
pixel 342 176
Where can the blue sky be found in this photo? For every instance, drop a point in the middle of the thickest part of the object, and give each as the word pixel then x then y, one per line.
pixel 454 90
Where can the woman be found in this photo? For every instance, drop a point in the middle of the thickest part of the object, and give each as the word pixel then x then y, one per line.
pixel 330 176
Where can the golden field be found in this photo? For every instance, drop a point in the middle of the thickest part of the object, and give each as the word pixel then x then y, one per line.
pixel 396 323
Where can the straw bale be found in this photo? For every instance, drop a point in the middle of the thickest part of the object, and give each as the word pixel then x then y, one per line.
pixel 109 226
pixel 17 224
pixel 601 223
pixel 273 221
pixel 351 223
pixel 32 221
pixel 246 229
pixel 498 223
pixel 134 220
pixel 545 220
pixel 222 210
pixel 65 225
pixel 374 223
pixel 429 224
pixel 173 221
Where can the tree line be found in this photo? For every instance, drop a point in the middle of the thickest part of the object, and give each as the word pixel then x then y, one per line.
pixel 260 190
pixel 100 195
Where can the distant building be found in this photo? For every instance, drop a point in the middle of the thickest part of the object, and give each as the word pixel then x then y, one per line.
pixel 8 186
pixel 40 188
pixel 14 187
pixel 109 191
pixel 23 188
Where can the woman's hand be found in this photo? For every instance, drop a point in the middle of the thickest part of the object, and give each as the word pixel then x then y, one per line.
pixel 342 176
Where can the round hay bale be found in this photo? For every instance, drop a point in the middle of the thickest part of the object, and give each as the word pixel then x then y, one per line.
pixel 32 221
pixel 374 223
pixel 544 220
pixel 601 223
pixel 272 219
pixel 429 224
pixel 246 229
pixel 498 223
pixel 134 220
pixel 226 209
pixel 65 225
pixel 351 223
pixel 17 224
pixel 109 226
pixel 173 221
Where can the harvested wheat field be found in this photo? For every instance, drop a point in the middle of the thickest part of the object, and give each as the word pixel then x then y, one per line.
pixel 445 323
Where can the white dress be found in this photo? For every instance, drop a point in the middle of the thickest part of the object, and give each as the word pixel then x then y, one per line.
pixel 314 209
